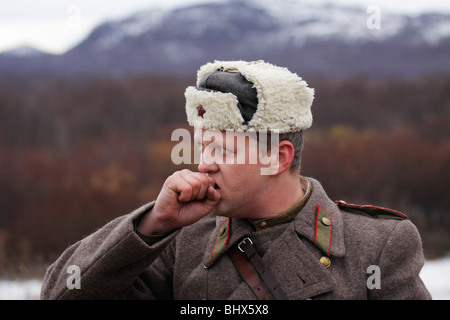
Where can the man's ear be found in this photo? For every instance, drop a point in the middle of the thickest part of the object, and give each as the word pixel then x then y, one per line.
pixel 286 153
pixel 280 157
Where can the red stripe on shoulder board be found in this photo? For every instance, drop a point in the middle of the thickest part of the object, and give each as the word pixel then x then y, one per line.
pixel 218 235
pixel 317 220
pixel 228 233
pixel 391 210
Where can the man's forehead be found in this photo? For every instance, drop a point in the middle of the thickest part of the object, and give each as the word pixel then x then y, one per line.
pixel 209 135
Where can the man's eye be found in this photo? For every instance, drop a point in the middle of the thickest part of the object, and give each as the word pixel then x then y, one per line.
pixel 199 145
pixel 221 149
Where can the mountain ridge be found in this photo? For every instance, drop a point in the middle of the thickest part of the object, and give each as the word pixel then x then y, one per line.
pixel 314 39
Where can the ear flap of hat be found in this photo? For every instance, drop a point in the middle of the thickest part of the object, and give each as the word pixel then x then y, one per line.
pixel 212 110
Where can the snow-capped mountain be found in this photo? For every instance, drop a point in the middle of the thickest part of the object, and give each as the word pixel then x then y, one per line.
pixel 23 51
pixel 309 37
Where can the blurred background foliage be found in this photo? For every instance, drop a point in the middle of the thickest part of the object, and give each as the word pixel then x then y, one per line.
pixel 77 153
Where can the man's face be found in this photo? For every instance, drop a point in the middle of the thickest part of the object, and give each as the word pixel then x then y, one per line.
pixel 234 163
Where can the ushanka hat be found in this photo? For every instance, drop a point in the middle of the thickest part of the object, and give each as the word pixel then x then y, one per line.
pixel 249 96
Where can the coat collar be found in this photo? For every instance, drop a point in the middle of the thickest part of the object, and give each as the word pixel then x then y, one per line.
pixel 298 270
pixel 308 224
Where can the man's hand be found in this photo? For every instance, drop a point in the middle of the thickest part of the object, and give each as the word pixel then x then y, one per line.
pixel 185 198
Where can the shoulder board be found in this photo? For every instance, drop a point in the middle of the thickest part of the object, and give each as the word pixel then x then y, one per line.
pixel 371 211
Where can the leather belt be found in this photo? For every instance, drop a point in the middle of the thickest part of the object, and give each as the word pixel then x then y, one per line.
pixel 250 266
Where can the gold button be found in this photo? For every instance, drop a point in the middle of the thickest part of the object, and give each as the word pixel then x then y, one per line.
pixel 222 231
pixel 325 261
pixel 263 224
pixel 326 221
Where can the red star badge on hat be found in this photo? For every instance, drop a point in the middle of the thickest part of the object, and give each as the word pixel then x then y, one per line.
pixel 201 111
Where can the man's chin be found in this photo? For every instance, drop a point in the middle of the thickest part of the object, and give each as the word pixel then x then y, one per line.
pixel 220 211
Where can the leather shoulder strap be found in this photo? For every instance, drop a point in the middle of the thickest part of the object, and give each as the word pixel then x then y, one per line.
pixel 250 266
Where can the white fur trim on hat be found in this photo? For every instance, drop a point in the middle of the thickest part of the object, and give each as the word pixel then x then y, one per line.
pixel 221 111
pixel 284 99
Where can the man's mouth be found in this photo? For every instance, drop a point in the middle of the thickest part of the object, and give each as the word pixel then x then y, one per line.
pixel 216 186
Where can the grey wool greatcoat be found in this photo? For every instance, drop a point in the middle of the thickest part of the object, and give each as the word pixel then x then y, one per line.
pixel 355 253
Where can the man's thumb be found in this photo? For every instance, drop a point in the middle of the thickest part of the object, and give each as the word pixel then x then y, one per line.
pixel 212 197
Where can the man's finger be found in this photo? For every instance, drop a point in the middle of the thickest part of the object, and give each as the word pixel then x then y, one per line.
pixel 182 189
pixel 212 198
pixel 198 183
pixel 190 186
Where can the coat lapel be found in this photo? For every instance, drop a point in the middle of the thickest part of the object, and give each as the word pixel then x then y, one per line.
pixel 297 265
pixel 297 269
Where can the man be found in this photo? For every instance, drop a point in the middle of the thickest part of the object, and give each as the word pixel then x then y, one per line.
pixel 246 229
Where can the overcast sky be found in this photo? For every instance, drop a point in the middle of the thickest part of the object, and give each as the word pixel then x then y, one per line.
pixel 57 25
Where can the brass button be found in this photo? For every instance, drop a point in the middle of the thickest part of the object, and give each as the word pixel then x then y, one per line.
pixel 263 225
pixel 325 261
pixel 326 221
pixel 222 231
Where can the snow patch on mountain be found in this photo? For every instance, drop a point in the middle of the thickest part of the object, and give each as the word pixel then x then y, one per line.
pixel 23 51
pixel 287 21
pixel 132 26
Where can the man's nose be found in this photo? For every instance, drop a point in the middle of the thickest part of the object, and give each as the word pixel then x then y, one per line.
pixel 207 164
